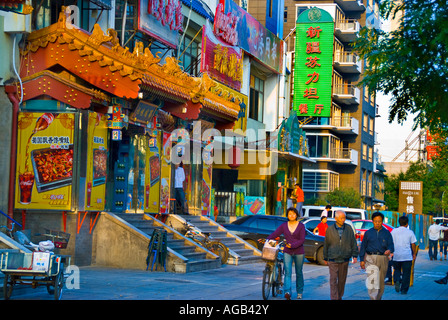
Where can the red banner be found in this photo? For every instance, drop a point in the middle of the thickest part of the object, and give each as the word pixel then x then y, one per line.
pixel 222 62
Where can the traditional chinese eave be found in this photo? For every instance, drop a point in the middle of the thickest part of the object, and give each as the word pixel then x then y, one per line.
pixel 58 87
pixel 98 59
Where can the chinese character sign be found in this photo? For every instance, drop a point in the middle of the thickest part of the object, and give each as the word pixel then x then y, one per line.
pixel 313 63
pixel 236 27
pixel 410 198
pixel 161 19
pixel 222 62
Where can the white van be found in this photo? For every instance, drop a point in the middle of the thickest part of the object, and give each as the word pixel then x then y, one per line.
pixel 351 213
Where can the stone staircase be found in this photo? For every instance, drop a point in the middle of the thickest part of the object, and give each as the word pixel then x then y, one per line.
pixel 195 258
pixel 240 251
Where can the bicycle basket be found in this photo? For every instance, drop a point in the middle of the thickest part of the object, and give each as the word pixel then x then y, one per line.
pixel 269 252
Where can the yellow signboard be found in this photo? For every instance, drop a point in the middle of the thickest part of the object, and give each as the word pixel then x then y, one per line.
pixel 165 174
pixel 152 175
pixel 96 169
pixel 44 169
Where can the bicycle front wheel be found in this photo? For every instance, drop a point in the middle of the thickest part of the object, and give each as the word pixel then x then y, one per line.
pixel 220 250
pixel 268 280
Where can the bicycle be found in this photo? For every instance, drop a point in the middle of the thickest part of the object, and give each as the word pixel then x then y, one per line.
pixel 204 239
pixel 20 237
pixel 274 271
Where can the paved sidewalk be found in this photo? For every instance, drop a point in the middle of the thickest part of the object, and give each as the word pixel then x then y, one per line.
pixel 232 283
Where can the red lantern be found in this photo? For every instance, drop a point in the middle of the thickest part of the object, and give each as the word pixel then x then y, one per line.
pixel 234 157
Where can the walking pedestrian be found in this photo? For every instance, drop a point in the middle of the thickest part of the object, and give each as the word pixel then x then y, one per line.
pixel 434 234
pixel 326 211
pixel 300 198
pixel 443 243
pixel 179 193
pixel 339 246
pixel 376 247
pixel 321 228
pixel 294 233
pixel 405 252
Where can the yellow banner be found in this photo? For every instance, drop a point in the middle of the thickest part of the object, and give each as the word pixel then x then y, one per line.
pixel 206 181
pixel 165 174
pixel 152 175
pixel 44 161
pixel 96 170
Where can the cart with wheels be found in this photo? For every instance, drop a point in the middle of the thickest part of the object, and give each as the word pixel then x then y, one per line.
pixel 34 269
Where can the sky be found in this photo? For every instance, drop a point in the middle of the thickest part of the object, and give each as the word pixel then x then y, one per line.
pixel 391 136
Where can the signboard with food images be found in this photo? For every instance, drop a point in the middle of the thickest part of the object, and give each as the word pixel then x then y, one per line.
pixel 152 183
pixel 44 168
pixel 96 168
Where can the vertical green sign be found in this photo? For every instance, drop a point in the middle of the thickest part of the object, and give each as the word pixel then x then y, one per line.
pixel 313 68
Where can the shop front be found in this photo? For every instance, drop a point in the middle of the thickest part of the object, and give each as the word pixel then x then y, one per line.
pixel 100 127
pixel 264 178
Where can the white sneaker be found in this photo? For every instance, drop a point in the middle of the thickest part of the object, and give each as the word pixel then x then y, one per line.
pixel 299 296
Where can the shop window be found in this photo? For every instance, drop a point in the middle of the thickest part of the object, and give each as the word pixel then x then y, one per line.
pixel 256 99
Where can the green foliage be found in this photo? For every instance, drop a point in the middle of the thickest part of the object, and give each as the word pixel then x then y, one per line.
pixel 345 197
pixel 435 182
pixel 410 63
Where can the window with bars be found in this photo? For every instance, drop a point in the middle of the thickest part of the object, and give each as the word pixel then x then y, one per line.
pixel 323 181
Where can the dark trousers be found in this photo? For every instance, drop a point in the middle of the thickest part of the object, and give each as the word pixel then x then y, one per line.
pixel 433 249
pixel 402 273
pixel 180 199
pixel 338 276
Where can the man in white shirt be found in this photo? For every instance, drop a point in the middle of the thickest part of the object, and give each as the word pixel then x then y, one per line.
pixel 433 235
pixel 405 252
pixel 179 194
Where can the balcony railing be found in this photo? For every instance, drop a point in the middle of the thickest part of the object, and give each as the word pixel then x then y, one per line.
pixel 347 29
pixel 345 123
pixel 342 156
pixel 347 94
pixel 347 62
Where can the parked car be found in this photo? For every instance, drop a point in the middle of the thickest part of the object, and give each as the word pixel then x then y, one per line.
pixel 251 228
pixel 363 225
pixel 351 213
pixel 312 222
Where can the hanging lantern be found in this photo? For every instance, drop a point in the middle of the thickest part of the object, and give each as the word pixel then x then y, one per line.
pixel 234 157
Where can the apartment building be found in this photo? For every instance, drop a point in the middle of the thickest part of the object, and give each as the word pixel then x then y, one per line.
pixel 342 141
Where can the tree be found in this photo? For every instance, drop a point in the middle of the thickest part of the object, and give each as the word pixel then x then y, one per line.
pixel 434 178
pixel 345 197
pixel 410 63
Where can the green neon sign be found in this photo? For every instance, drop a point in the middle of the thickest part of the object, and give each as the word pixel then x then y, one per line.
pixel 313 68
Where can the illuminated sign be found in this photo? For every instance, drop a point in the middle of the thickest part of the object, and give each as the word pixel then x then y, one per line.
pixel 313 63
pixel 161 19
pixel 236 27
pixel 222 62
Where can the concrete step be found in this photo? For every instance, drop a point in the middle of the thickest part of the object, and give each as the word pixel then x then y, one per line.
pixel 240 251
pixel 197 258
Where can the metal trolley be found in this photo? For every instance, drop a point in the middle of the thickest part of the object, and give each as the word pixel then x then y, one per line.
pixel 35 269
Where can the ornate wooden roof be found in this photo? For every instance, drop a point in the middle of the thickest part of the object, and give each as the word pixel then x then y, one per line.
pixel 98 59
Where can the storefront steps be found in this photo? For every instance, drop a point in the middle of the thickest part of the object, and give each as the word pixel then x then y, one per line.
pixel 240 251
pixel 183 254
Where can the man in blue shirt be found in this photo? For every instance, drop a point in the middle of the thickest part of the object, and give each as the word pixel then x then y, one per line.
pixel 376 247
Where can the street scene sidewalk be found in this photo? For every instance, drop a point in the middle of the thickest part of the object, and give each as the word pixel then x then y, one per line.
pixel 233 283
